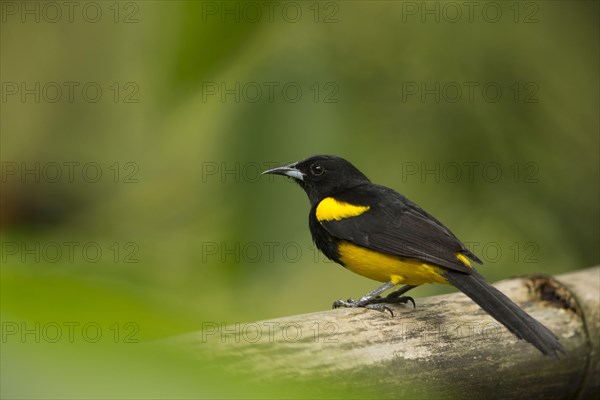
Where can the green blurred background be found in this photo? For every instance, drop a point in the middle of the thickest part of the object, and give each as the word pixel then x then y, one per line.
pixel 197 97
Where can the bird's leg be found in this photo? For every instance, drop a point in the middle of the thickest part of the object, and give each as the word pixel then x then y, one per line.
pixel 374 301
pixel 366 299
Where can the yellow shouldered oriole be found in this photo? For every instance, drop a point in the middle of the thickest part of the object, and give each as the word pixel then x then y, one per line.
pixel 378 233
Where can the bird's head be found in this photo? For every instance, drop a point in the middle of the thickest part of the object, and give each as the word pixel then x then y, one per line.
pixel 322 175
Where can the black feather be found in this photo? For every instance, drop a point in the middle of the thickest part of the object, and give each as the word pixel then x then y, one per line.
pixel 495 303
pixel 396 225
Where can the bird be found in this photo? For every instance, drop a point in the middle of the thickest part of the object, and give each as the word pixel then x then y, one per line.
pixel 378 233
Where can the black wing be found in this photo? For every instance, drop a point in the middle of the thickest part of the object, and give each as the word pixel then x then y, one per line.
pixel 395 225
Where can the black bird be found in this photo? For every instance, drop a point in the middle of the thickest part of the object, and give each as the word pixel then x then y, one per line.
pixel 378 233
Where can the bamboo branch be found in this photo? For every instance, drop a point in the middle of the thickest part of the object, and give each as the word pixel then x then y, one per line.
pixel 447 345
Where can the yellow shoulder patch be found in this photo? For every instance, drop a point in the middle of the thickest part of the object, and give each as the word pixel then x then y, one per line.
pixel 464 259
pixel 330 209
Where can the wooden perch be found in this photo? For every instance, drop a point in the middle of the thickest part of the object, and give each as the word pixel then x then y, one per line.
pixel 447 346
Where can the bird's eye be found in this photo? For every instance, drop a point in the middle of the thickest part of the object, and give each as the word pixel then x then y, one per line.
pixel 316 169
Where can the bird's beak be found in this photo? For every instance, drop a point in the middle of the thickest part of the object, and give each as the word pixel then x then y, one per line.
pixel 287 170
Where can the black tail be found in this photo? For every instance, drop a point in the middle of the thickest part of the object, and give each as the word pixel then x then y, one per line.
pixel 506 312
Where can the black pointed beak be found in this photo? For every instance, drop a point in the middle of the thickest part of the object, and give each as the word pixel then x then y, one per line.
pixel 287 170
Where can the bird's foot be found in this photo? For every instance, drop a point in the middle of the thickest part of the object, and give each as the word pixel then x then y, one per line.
pixel 351 303
pixel 393 298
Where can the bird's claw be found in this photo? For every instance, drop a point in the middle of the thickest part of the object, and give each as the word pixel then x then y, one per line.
pixel 351 303
pixel 380 307
pixel 393 299
pixel 346 304
pixel 376 303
